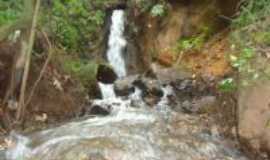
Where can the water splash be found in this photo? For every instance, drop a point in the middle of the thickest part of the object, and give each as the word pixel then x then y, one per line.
pixel 107 90
pixel 19 147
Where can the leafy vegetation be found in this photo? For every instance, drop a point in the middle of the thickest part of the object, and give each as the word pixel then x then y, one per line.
pixel 158 10
pixel 191 43
pixel 251 40
pixel 74 23
pixel 9 11
pixel 84 71
pixel 227 85
pixel 195 42
pixel 243 59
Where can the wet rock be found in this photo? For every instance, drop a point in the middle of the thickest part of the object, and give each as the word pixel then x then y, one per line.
pixel 149 86
pixel 198 105
pixel 184 86
pixel 133 56
pixel 94 91
pixel 100 110
pixel 95 109
pixel 151 100
pixel 116 4
pixel 106 75
pixel 151 90
pixel 169 75
pixel 123 87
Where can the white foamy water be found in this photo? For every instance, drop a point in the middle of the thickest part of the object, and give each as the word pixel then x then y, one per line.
pixel 107 90
pixel 117 43
pixel 129 134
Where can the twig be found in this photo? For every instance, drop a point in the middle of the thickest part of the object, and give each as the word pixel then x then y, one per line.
pixel 42 70
pixel 179 59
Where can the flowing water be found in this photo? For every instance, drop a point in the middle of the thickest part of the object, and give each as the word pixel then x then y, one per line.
pixel 133 131
pixel 117 43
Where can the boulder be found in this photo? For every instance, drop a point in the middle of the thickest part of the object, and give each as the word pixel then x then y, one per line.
pixel 198 105
pixel 254 117
pixel 151 90
pixel 149 86
pixel 123 87
pixel 105 74
pixel 97 108
pixel 100 110
pixel 168 75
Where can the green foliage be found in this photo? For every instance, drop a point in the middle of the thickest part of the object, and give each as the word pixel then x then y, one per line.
pixel 243 63
pixel 227 85
pixel 251 38
pixel 10 11
pixel 75 23
pixel 83 70
pixel 192 43
pixel 252 11
pixel 158 10
pixel 252 24
pixel 144 5
pixel 261 37
pixel 243 59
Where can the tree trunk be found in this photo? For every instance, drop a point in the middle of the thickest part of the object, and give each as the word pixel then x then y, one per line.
pixel 28 54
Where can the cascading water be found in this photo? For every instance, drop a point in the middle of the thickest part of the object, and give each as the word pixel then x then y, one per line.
pixel 106 90
pixel 116 46
pixel 117 43
pixel 130 132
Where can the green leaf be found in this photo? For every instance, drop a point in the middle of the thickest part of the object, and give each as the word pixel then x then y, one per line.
pixel 247 53
pixel 158 10
pixel 227 85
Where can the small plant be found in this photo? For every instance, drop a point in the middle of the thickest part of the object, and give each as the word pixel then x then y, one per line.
pixel 227 85
pixel 158 10
pixel 193 43
pixel 84 71
pixel 241 62
pixel 144 5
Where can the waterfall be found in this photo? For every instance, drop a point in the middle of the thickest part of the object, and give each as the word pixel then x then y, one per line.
pixel 116 45
pixel 133 131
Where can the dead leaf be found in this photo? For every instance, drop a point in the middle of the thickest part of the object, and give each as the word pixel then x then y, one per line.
pixel 41 118
pixel 57 84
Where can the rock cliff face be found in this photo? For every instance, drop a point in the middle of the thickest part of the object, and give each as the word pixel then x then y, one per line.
pixel 157 36
pixel 254 116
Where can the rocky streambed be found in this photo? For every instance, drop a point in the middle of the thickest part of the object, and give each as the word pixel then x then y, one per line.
pixel 153 119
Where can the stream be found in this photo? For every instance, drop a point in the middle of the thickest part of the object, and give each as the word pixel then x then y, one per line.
pixel 132 130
